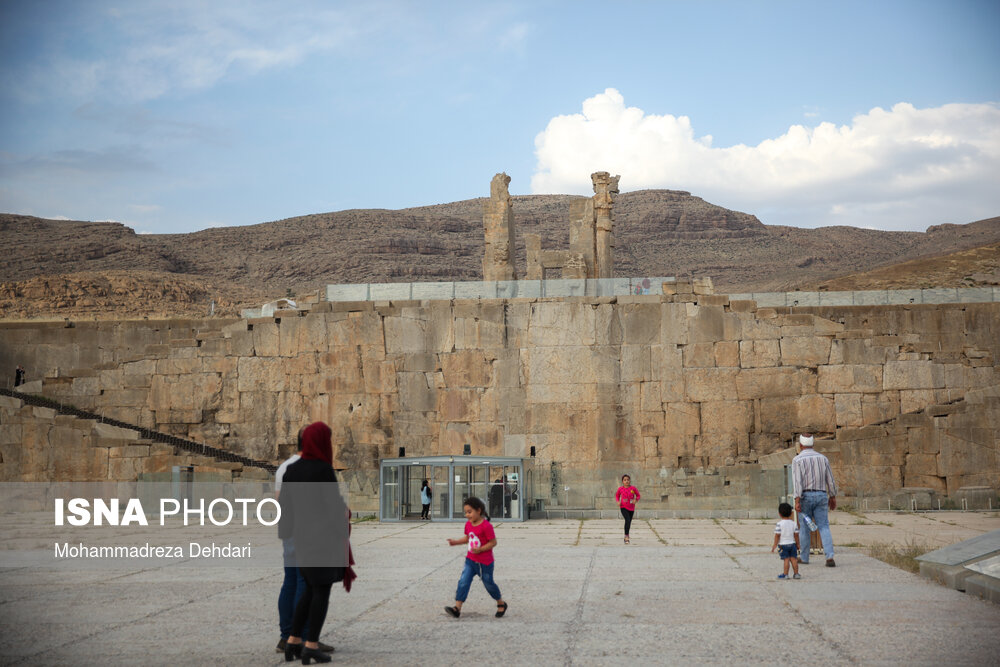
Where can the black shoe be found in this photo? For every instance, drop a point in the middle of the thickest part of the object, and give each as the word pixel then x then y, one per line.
pixel 830 563
pixel 293 651
pixel 310 654
pixel 280 648
pixel 501 610
pixel 326 648
pixel 454 611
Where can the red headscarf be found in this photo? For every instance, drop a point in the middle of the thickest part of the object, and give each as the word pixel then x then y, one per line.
pixel 316 442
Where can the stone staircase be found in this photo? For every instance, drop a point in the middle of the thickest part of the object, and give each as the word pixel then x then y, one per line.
pixel 129 450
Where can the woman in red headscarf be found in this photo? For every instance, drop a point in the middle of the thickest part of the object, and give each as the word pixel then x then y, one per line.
pixel 316 516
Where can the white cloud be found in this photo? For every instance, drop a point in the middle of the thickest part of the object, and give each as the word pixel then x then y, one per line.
pixel 159 47
pixel 902 168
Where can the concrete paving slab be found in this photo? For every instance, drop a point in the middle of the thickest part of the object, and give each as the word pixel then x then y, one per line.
pixel 577 594
pixel 948 565
pixel 975 548
pixel 989 567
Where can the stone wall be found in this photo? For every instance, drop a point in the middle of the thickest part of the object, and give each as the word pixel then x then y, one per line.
pixel 695 395
pixel 39 445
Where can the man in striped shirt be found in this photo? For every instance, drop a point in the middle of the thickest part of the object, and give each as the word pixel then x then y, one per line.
pixel 815 492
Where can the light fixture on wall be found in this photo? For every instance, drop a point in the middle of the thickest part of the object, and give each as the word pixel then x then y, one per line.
pixel 467 449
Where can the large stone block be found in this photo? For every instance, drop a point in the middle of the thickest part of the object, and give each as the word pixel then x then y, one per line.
pixel 699 355
pixel 863 481
pixel 916 399
pixel 812 413
pixel 848 407
pixel 727 354
pixel 760 329
pixel 711 384
pixel 565 365
pixel 808 351
pixel 467 368
pixel 560 323
pixel 860 351
pixel 650 396
pixel 759 353
pixel 707 324
pixel 458 405
pixel 405 335
pixel 879 407
pixel 913 374
pixel 772 382
pixel 636 365
pixel 850 378
pixel 567 394
pixel 674 324
pixel 641 323
pixel 920 464
pixel 416 392
pixel 731 419
pixel 265 338
pixel 546 418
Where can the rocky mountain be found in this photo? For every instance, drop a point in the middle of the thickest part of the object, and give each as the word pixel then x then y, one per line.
pixel 658 233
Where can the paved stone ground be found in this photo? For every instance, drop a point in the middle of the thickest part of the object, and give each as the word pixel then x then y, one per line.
pixel 684 592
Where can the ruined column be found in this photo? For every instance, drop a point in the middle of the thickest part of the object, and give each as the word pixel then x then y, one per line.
pixel 498 226
pixel 582 238
pixel 605 190
pixel 533 253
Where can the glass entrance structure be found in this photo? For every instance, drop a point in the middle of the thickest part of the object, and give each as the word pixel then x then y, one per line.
pixel 503 483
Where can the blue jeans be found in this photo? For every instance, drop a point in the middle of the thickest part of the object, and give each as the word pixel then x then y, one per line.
pixel 485 573
pixel 816 505
pixel 292 588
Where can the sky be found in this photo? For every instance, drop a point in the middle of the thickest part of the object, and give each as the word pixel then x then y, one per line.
pixel 175 116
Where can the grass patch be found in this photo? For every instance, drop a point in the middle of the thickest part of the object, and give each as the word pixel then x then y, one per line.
pixel 367 517
pixel 902 556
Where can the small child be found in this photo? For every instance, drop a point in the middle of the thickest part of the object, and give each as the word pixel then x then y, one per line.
pixel 786 540
pixel 481 539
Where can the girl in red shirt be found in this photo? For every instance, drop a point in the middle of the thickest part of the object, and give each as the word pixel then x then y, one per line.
pixel 627 496
pixel 481 539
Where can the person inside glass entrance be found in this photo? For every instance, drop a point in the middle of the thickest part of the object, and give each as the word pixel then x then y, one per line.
pixel 425 500
pixel 498 492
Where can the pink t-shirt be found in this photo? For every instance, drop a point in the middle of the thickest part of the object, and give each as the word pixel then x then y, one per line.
pixel 478 536
pixel 626 496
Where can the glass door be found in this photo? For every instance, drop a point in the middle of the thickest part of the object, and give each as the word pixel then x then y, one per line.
pixel 390 492
pixel 478 482
pixel 414 481
pixel 512 492
pixel 460 489
pixel 440 483
pixel 495 495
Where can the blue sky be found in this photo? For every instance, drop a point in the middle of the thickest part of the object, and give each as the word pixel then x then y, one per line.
pixel 178 116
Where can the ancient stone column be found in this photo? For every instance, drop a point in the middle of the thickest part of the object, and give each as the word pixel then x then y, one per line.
pixel 582 239
pixel 533 252
pixel 605 190
pixel 498 226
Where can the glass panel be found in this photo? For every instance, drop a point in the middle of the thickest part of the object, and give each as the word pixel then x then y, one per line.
pixel 439 503
pixel 477 482
pixel 390 492
pixel 417 475
pixel 512 492
pixel 461 487
pixel 494 502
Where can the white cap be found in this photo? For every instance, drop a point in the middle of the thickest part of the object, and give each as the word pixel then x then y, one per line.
pixel 806 440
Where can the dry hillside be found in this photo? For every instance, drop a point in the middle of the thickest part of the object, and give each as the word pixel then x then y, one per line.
pixel 71 268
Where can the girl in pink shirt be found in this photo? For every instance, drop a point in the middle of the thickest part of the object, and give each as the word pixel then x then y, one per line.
pixel 481 539
pixel 627 496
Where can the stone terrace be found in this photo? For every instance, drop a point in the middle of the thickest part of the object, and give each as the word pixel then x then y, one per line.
pixel 685 591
